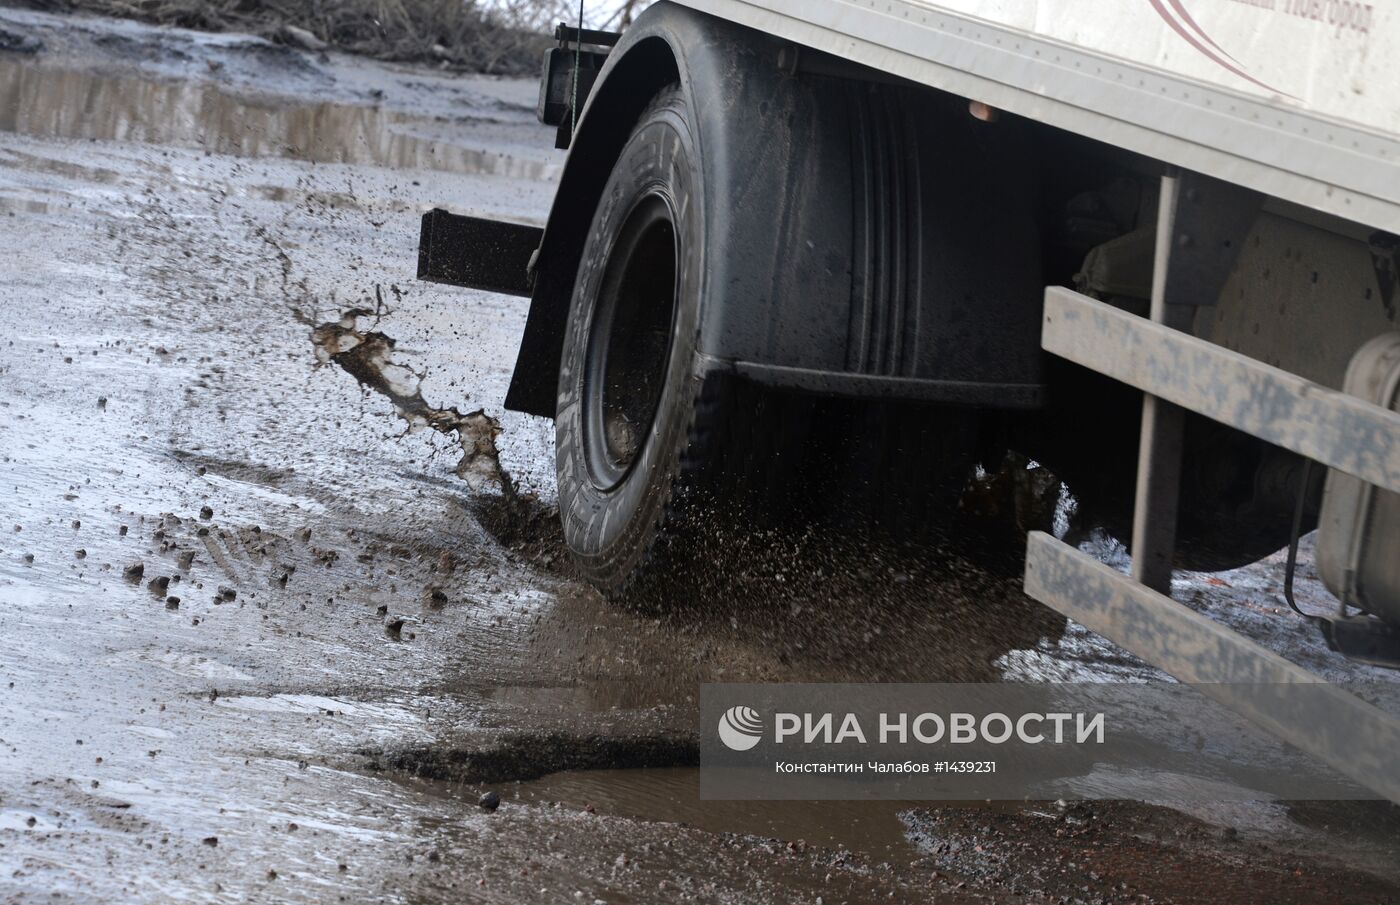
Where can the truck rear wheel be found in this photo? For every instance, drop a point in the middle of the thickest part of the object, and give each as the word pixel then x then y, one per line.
pixel 628 381
pixel 663 467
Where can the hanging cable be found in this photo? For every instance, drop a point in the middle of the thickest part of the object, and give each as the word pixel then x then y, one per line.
pixel 578 64
pixel 1293 544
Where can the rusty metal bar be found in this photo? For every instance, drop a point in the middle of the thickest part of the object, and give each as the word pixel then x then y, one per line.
pixel 1330 427
pixel 1356 738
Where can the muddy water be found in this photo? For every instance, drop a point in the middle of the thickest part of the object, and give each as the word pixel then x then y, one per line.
pixel 872 828
pixel 57 103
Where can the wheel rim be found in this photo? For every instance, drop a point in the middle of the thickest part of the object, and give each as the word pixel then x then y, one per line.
pixel 629 342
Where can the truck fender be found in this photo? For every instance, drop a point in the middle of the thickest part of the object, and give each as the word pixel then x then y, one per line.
pixel 862 238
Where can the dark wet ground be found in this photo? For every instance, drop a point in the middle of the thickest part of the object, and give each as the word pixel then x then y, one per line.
pixel 346 627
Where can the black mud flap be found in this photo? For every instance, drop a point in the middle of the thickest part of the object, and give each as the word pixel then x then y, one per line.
pixel 493 255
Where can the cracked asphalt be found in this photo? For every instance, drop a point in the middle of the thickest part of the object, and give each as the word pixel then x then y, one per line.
pixel 281 593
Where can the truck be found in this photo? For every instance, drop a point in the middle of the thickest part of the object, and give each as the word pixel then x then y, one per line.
pixel 1151 244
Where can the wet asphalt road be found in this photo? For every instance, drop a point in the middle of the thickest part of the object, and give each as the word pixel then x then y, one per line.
pixel 335 644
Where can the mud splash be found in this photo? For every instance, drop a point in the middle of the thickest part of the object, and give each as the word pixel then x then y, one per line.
pixel 368 356
pixel 55 103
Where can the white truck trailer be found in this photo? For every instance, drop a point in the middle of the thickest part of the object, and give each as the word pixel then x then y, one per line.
pixel 1150 243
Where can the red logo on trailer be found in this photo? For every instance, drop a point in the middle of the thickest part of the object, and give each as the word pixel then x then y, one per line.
pixel 1174 13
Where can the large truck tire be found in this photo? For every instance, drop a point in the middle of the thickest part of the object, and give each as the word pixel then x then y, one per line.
pixel 629 388
pixel 661 465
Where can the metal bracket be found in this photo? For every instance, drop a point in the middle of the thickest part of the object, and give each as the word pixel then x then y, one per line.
pixel 571 69
pixel 1210 224
pixel 1159 447
pixel 557 84
pixel 1385 259
pixel 567 36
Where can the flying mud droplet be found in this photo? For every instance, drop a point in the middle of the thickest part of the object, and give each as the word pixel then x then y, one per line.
pixel 368 356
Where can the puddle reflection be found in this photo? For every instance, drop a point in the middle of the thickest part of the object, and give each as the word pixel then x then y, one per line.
pixel 52 103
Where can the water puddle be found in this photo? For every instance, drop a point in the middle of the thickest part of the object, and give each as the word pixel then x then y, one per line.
pixel 672 795
pixel 53 103
pixel 591 697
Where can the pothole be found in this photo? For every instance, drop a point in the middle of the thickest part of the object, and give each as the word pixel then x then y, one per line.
pixel 528 756
pixel 874 829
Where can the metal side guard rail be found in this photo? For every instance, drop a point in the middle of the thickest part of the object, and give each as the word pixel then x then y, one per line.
pixel 1335 429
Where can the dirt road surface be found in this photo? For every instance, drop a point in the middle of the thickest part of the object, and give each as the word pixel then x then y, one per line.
pixel 272 626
